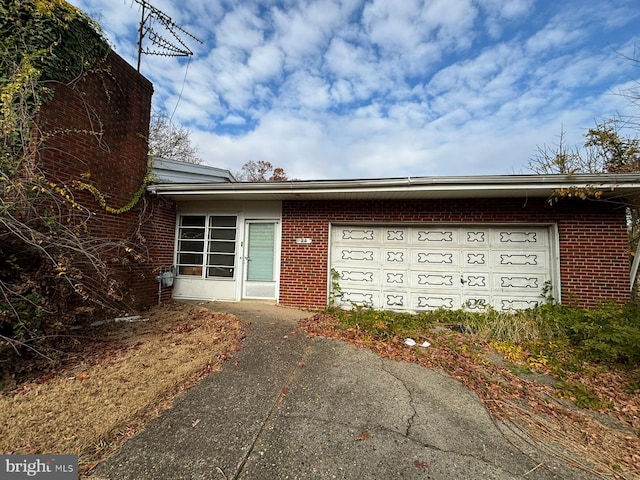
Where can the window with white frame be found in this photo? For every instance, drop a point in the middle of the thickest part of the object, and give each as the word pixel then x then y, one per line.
pixel 207 246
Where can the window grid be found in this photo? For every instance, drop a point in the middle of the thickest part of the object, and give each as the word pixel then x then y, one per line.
pixel 207 245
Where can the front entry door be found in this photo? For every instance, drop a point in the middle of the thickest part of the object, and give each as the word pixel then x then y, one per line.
pixel 260 260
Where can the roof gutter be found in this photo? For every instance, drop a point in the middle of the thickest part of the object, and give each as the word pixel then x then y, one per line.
pixel 529 184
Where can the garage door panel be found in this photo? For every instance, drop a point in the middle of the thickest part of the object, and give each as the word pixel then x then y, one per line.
pixel 423 267
pixel 433 301
pixel 361 297
pixel 516 261
pixel 475 260
pixel 395 278
pixel 476 303
pixel 434 279
pixel 475 237
pixel 358 236
pixel 355 255
pixel 509 304
pixel 435 237
pixel 520 238
pixel 513 283
pixel 396 236
pixel 395 257
pixel 476 281
pixel 434 258
pixel 359 276
pixel 396 300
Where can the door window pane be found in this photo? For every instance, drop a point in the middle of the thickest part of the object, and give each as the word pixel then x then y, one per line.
pixel 192 233
pixel 190 246
pixel 220 272
pixel 261 252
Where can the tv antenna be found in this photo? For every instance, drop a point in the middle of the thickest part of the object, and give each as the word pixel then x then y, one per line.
pixel 161 43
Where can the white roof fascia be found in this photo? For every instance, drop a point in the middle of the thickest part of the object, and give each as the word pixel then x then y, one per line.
pixel 518 186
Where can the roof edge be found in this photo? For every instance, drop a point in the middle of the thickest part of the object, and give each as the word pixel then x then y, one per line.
pixel 518 185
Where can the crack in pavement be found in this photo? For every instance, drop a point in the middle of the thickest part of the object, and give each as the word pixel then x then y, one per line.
pixel 411 419
pixel 380 428
pixel 410 422
pixel 294 371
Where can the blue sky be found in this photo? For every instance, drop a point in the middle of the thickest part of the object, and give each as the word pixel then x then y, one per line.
pixel 386 88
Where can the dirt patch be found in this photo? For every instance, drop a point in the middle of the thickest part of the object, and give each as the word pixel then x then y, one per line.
pixel 120 376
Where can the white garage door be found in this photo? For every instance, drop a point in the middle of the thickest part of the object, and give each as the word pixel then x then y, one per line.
pixel 425 268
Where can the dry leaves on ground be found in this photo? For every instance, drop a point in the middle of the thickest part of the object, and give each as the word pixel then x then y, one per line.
pixel 608 440
pixel 122 375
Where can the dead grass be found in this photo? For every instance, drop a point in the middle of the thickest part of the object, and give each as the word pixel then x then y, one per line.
pixel 125 374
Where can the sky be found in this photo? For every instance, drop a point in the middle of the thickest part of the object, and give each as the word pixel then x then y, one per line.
pixel 354 89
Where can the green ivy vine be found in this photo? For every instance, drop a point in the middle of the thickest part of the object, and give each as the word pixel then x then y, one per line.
pixel 100 198
pixel 44 42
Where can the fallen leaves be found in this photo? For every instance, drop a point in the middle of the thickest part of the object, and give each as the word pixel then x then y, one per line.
pixel 531 407
pixel 119 376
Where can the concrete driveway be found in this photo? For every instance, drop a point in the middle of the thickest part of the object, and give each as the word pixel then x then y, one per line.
pixel 290 407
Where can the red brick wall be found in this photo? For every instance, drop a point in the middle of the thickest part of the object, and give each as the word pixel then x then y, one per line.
pixel 95 130
pixel 594 261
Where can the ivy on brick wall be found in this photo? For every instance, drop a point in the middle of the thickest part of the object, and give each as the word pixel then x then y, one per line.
pixel 50 262
pixel 43 42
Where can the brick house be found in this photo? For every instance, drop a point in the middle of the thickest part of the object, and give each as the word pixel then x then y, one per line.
pixel 403 244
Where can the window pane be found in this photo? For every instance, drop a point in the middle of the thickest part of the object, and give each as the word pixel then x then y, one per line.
pixel 220 272
pixel 221 221
pixel 197 271
pixel 190 258
pixel 222 234
pixel 219 260
pixel 222 247
pixel 192 220
pixel 192 233
pixel 190 246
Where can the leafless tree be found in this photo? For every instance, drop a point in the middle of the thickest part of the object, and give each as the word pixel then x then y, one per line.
pixel 170 141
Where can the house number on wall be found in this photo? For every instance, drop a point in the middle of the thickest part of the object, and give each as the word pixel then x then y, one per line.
pixel 303 241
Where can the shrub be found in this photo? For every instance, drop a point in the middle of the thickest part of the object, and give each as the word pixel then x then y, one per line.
pixel 607 334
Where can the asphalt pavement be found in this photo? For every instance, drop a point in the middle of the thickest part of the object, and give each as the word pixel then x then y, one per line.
pixel 291 407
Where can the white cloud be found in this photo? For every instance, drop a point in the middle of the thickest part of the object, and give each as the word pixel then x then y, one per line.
pixel 355 88
pixel 240 29
pixel 234 120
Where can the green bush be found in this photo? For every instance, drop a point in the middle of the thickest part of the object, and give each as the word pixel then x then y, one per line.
pixel 608 334
pixel 386 324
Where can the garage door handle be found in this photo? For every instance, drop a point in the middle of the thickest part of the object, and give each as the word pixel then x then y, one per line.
pixel 462 280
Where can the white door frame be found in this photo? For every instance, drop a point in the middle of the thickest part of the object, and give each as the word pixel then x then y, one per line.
pixel 244 282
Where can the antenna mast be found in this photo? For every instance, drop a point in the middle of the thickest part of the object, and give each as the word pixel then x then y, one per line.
pixel 161 45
